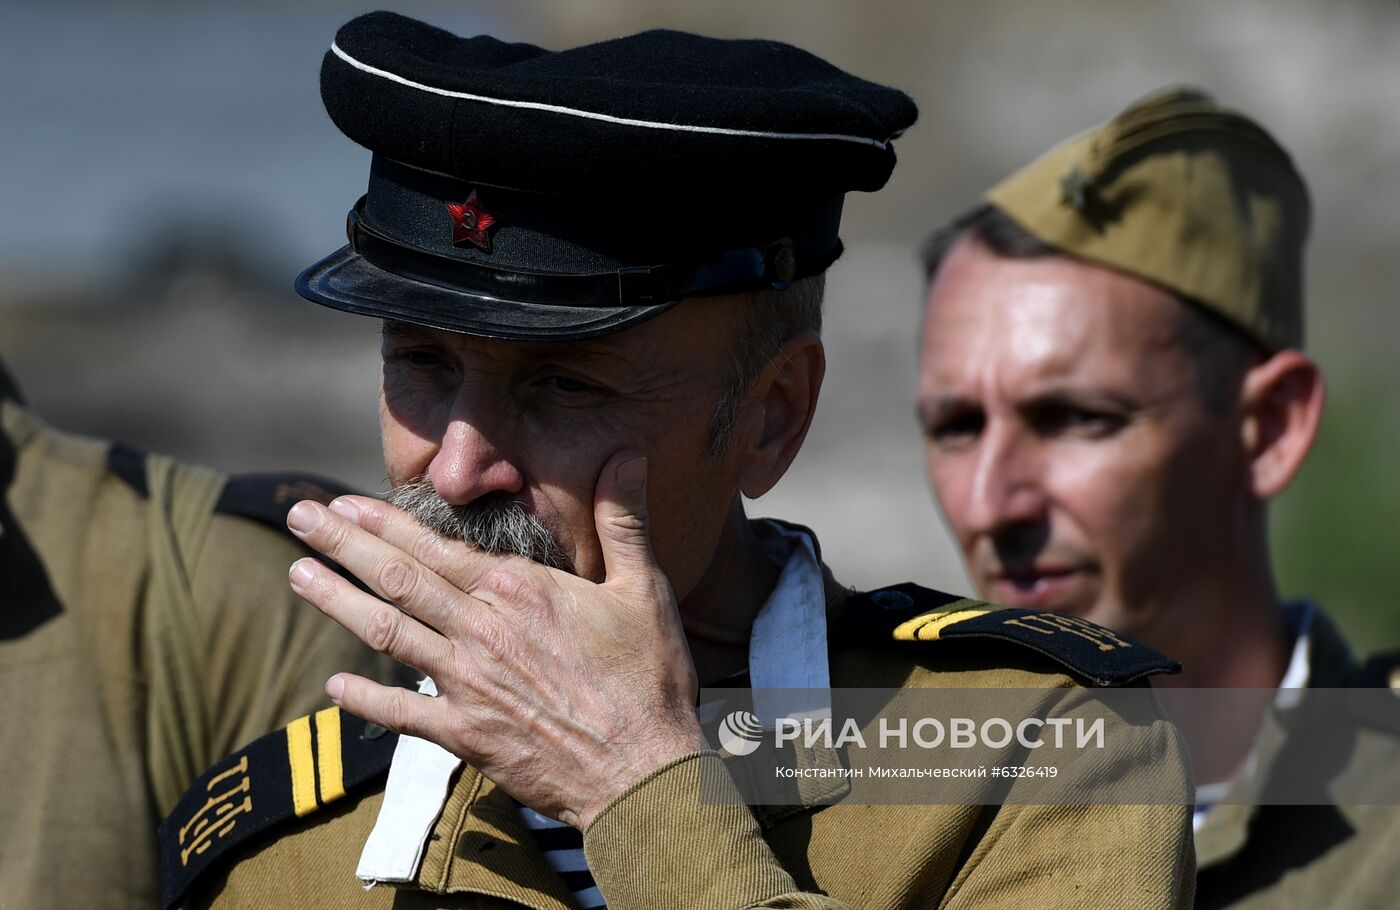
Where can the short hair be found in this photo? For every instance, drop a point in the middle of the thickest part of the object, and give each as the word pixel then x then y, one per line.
pixel 764 320
pixel 1220 351
pixel 988 226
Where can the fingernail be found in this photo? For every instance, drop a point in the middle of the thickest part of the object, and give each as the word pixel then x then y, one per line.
pixel 346 509
pixel 632 475
pixel 300 575
pixel 335 687
pixel 304 517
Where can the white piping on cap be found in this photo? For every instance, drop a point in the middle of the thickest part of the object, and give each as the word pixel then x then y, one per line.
pixel 594 115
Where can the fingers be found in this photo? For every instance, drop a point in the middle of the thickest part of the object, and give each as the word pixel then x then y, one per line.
pixel 393 708
pixel 454 561
pixel 622 521
pixel 389 571
pixel 383 627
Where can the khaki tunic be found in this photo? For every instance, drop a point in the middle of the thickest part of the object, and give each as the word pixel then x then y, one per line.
pixel 1285 856
pixel 658 848
pixel 141 638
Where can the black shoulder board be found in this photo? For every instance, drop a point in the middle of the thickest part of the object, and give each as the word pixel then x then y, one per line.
pixel 262 497
pixel 269 497
pixel 1381 671
pixel 311 762
pixel 129 464
pixel 908 612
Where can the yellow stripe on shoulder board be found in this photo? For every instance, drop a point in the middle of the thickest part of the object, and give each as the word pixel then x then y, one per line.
pixel 928 626
pixel 328 754
pixel 303 765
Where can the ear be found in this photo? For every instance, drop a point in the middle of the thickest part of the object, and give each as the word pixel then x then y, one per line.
pixel 1281 404
pixel 779 412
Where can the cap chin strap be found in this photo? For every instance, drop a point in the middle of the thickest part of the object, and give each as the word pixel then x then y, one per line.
pixel 776 265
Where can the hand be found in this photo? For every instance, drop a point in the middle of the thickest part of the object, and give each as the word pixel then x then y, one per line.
pixel 562 691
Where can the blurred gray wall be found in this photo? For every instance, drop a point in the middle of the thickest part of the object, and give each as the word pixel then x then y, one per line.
pixel 166 168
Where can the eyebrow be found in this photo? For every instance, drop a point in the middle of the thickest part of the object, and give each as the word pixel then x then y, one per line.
pixel 931 411
pixel 1063 395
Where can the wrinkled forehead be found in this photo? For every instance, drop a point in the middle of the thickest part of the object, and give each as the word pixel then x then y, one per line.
pixel 1046 318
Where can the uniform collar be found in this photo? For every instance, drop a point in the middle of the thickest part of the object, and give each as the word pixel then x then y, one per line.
pixel 1320 659
pixel 789 666
pixel 1298 614
pixel 788 642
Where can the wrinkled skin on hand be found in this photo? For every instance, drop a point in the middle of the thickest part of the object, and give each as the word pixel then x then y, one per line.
pixel 563 691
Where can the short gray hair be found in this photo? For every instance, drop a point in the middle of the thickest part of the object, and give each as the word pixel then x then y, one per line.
pixel 764 320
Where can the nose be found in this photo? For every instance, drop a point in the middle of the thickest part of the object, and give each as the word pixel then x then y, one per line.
pixel 470 461
pixel 1006 493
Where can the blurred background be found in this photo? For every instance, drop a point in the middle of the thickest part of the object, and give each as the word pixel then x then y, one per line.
pixel 166 169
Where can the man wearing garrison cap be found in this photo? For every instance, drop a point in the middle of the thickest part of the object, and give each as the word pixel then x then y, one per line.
pixel 599 275
pixel 1112 391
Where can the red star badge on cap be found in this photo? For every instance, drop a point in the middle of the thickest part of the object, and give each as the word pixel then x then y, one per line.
pixel 470 223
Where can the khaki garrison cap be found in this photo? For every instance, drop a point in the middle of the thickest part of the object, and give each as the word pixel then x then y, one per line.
pixel 1185 194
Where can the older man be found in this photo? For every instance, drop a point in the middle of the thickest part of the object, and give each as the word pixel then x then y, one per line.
pixel 1112 391
pixel 600 276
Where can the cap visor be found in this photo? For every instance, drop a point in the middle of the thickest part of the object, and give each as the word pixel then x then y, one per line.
pixel 347 281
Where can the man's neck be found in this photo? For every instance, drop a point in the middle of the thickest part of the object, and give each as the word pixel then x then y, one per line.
pixel 1235 642
pixel 1232 645
pixel 718 614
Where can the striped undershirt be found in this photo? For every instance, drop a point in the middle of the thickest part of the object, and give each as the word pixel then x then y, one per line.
pixel 562 845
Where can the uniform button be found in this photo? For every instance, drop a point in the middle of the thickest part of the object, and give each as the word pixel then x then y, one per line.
pixel 374 731
pixel 892 600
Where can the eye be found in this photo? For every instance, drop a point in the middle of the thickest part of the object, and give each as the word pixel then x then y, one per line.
pixel 420 362
pixel 957 427
pixel 1067 419
pixel 425 360
pixel 569 385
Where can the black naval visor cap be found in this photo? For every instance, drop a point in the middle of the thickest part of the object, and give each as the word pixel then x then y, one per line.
pixel 526 194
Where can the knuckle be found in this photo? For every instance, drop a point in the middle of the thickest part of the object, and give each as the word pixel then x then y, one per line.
pixel 397 579
pixel 382 629
pixel 627 524
pixel 396 712
pixel 429 548
pixel 334 537
pixel 463 736
pixel 512 586
pixel 491 635
pixel 370 518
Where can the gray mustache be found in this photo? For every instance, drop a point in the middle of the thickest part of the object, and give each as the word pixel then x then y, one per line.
pixel 495 526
